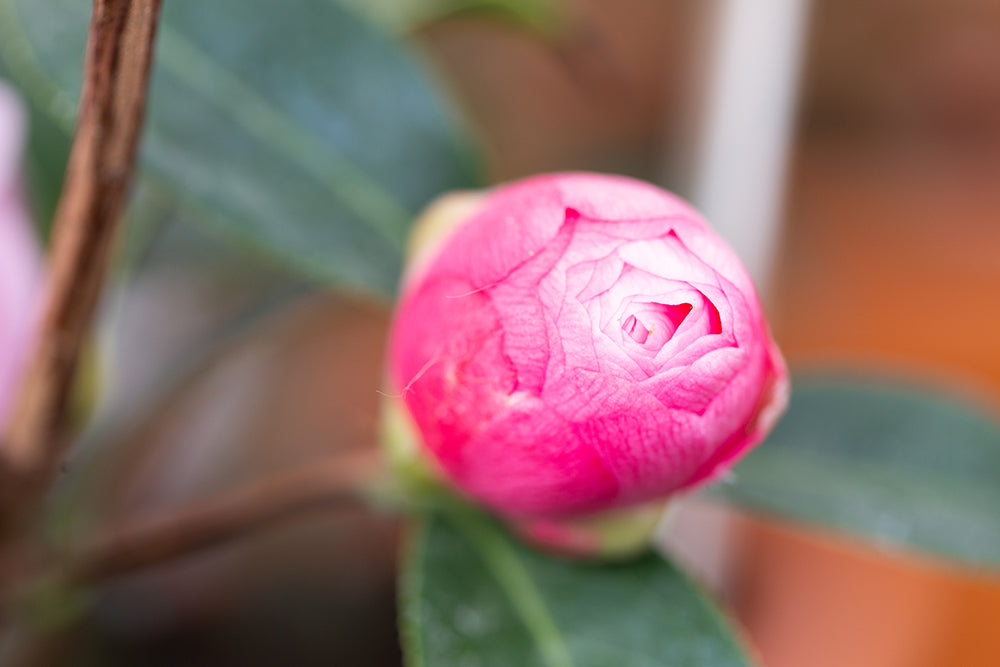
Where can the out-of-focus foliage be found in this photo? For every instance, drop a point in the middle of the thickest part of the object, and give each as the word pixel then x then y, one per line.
pixel 294 125
pixel 542 16
pixel 45 159
pixel 902 467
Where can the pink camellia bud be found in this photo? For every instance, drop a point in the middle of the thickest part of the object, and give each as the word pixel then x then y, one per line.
pixel 571 347
pixel 19 253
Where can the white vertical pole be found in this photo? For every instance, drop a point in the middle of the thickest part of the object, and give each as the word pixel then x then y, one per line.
pixel 740 161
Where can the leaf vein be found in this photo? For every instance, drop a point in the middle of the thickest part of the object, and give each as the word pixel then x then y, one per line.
pixel 272 127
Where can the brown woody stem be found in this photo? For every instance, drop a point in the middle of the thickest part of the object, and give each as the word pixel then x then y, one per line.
pixel 101 162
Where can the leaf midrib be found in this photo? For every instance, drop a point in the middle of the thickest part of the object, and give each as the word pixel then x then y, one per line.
pixel 516 583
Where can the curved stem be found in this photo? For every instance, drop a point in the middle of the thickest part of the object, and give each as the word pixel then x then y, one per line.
pixel 341 480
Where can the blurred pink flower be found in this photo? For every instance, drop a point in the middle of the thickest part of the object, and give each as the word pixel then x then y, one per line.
pixel 576 343
pixel 20 261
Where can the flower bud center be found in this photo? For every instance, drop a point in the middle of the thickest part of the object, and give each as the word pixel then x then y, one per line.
pixel 635 329
pixel 653 324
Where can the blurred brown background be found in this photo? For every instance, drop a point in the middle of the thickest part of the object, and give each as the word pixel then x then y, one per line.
pixel 890 258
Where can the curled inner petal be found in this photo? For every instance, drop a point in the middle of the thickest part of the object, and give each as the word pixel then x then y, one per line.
pixel 653 324
pixel 635 329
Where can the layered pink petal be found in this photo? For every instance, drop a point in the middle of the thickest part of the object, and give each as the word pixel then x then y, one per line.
pixel 583 342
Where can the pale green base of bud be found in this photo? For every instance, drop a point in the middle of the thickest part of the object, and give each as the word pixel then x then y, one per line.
pixel 441 217
pixel 416 483
pixel 613 534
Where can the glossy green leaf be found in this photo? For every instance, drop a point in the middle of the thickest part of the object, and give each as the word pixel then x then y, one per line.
pixel 471 595
pixel 292 125
pixel 901 466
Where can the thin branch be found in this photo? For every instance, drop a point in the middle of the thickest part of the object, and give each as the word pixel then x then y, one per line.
pixel 341 480
pixel 119 52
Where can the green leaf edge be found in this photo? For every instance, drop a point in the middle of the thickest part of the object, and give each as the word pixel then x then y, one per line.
pixel 543 17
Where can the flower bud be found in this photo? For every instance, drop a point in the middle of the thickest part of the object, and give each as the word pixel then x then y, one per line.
pixel 571 349
pixel 19 253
